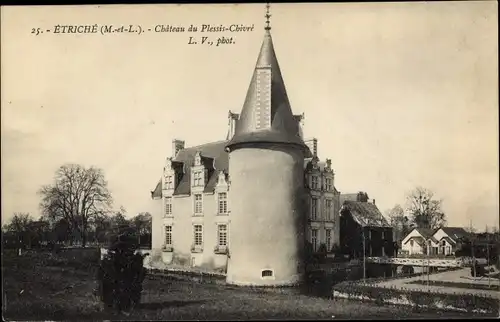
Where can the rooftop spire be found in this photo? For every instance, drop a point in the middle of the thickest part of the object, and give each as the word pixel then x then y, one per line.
pixel 268 15
pixel 266 115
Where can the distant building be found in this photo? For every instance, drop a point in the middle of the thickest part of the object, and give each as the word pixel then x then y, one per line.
pixel 450 239
pixel 418 241
pixel 361 220
pixel 443 241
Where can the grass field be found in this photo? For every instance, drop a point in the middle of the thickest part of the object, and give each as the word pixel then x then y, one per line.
pixel 41 286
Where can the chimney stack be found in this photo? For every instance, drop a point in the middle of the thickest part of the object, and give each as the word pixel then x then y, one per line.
pixel 177 145
pixel 373 201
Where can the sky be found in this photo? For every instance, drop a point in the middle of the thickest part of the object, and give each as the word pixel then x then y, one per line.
pixel 399 95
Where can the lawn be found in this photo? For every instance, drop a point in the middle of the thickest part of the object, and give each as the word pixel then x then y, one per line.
pixel 57 287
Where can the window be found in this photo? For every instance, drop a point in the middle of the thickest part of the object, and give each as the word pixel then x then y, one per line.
pixel 411 243
pixel 314 239
pixel 198 203
pixel 328 184
pixel 223 203
pixel 169 182
pixel 198 179
pixel 168 235
pixel 267 273
pixel 383 235
pixel 222 235
pixel 168 205
pixel 329 209
pixel 329 239
pixel 314 209
pixel 314 182
pixel 198 235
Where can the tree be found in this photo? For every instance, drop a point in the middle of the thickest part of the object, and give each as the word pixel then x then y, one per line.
pixel 424 211
pixel 20 226
pixel 143 224
pixel 399 222
pixel 78 194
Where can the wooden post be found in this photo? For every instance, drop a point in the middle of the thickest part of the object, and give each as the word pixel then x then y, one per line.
pixel 472 249
pixel 488 255
pixel 364 253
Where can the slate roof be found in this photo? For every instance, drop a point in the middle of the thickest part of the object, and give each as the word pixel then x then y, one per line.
pixel 284 127
pixel 365 214
pixel 213 154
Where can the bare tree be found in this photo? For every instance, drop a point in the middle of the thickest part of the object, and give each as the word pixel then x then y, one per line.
pixel 143 224
pixel 424 211
pixel 20 223
pixel 77 195
pixel 399 221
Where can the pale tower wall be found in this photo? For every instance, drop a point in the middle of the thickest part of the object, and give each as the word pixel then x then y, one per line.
pixel 267 228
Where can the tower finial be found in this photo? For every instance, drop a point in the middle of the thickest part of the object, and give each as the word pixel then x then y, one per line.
pixel 268 15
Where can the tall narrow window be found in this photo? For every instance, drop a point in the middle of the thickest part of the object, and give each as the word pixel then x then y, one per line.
pixel 329 239
pixel 328 184
pixel 198 235
pixel 169 182
pixel 222 235
pixel 168 206
pixel 223 203
pixel 314 209
pixel 329 209
pixel 198 179
pixel 198 203
pixel 314 182
pixel 168 235
pixel 314 239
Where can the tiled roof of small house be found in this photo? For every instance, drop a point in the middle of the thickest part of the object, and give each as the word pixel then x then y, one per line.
pixel 455 233
pixel 365 214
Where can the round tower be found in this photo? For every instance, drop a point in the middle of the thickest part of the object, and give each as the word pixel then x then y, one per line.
pixel 266 164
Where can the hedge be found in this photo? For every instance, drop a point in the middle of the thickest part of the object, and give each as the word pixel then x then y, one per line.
pixel 461 302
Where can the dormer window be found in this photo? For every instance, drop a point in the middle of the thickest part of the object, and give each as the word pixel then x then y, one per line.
pixel 169 182
pixel 198 177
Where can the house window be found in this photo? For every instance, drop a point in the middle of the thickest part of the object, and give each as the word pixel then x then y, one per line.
pixel 267 273
pixel 169 182
pixel 314 182
pixel 198 235
pixel 329 209
pixel 198 203
pixel 314 239
pixel 411 243
pixel 198 179
pixel 328 184
pixel 222 235
pixel 383 235
pixel 329 239
pixel 168 206
pixel 223 203
pixel 314 209
pixel 168 235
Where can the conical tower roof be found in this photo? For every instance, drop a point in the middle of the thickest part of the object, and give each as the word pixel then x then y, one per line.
pixel 266 116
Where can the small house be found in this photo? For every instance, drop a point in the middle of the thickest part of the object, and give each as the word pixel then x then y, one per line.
pixel 362 227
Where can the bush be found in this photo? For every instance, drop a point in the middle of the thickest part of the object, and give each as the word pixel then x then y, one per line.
pixel 381 295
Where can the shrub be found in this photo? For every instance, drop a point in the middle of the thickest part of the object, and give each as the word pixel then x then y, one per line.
pixel 381 295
